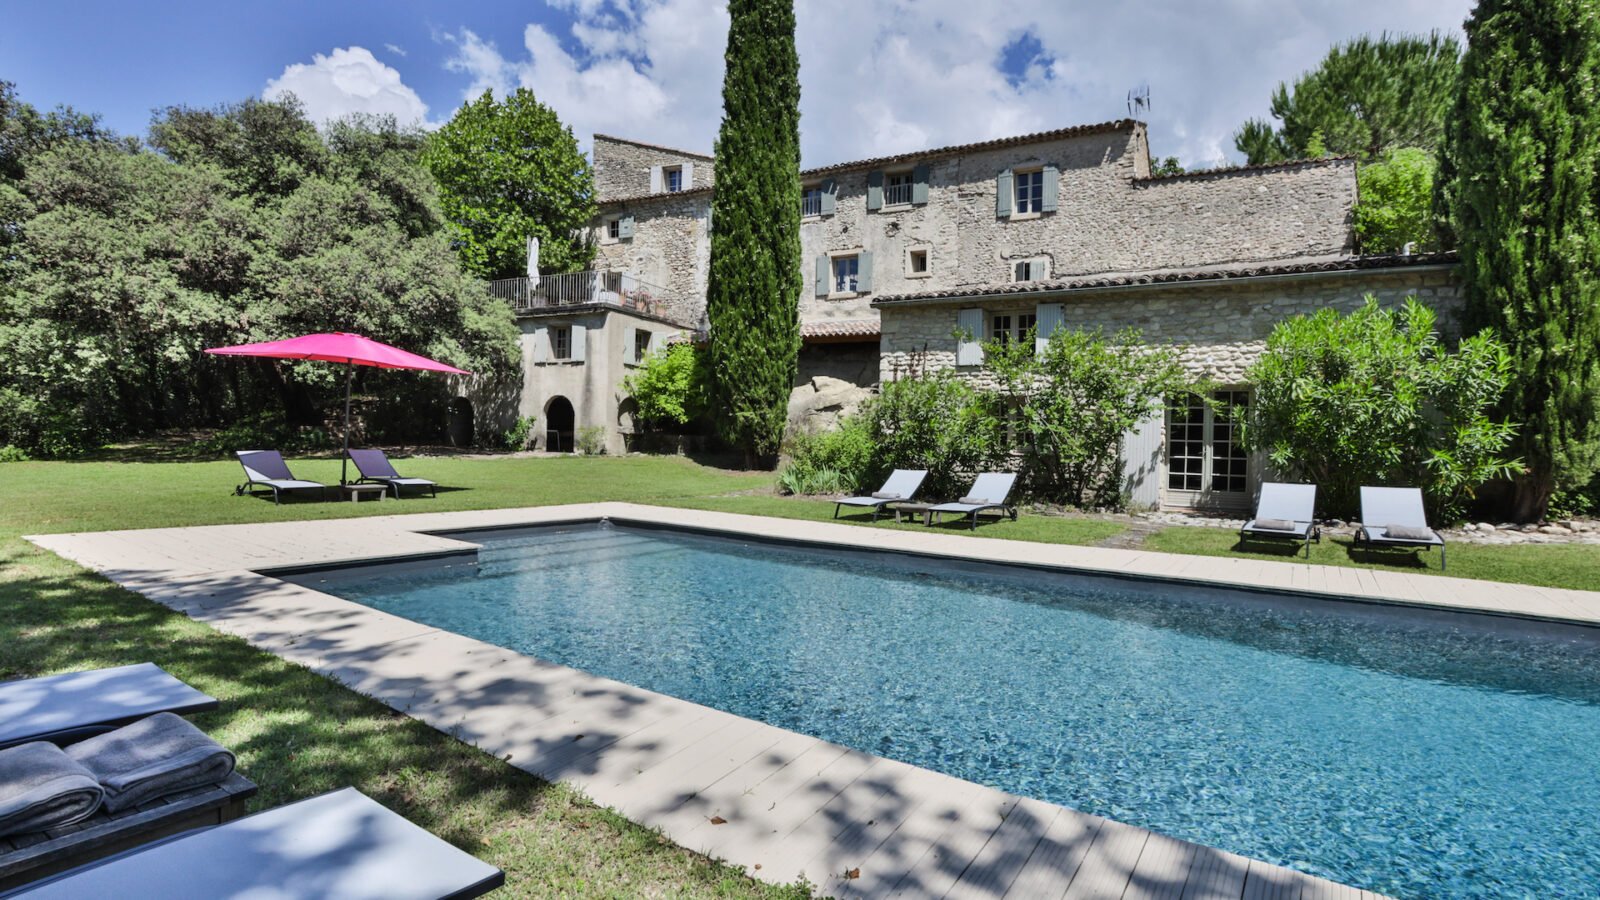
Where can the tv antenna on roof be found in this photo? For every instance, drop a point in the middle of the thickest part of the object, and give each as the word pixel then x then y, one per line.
pixel 1139 101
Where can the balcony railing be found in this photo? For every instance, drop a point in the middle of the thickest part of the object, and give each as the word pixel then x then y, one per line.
pixel 897 193
pixel 548 292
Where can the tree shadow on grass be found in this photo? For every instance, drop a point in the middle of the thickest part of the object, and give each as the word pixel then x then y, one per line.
pixel 298 734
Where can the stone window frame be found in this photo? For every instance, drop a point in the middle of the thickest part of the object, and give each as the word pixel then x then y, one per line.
pixel 1037 204
pixel 667 174
pixel 611 233
pixel 927 261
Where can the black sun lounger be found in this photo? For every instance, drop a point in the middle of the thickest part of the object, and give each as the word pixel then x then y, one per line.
pixel 67 708
pixel 375 468
pixel 338 845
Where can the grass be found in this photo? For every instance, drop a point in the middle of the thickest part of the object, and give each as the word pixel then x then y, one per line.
pixel 1574 566
pixel 298 734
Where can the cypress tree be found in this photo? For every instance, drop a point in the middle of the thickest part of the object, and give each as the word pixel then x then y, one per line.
pixel 753 288
pixel 1518 181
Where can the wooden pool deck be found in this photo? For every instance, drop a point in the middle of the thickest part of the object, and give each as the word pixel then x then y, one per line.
pixel 777 803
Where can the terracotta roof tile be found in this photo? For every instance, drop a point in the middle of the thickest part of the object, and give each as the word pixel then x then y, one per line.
pixel 848 328
pixel 1014 140
pixel 1176 276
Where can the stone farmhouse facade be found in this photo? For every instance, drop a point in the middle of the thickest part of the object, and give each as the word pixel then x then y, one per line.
pixel 910 261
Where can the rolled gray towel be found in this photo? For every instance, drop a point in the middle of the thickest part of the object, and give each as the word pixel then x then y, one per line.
pixel 42 787
pixel 151 758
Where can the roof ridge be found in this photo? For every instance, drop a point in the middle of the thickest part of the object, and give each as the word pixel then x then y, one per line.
pixel 649 146
pixel 992 143
pixel 1249 167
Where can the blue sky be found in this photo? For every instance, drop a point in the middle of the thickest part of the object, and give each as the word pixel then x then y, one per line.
pixel 878 76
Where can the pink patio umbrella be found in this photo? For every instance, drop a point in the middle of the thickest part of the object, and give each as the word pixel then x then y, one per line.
pixel 350 349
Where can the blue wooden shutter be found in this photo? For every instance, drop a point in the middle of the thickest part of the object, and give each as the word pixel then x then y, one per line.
pixel 919 184
pixel 541 345
pixel 1048 318
pixel 864 273
pixel 630 346
pixel 969 346
pixel 655 179
pixel 1002 195
pixel 688 175
pixel 1052 188
pixel 874 190
pixel 824 275
pixel 580 342
pixel 830 197
pixel 625 228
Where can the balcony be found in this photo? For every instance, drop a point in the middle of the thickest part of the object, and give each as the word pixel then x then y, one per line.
pixel 549 293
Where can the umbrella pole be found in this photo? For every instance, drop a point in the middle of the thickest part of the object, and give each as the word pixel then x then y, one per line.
pixel 344 461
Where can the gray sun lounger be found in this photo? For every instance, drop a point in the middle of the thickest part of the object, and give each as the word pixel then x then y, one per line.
pixel 1383 508
pixel 989 492
pixel 375 468
pixel 1285 512
pixel 901 487
pixel 337 845
pixel 266 468
pixel 67 708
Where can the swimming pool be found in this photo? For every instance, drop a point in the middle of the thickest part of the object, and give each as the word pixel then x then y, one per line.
pixel 1414 753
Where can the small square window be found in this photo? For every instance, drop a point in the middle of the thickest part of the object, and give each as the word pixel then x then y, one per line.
pixel 1029 270
pixel 897 188
pixel 1030 191
pixel 811 201
pixel 917 262
pixel 672 179
pixel 641 344
pixel 614 229
pixel 846 270
pixel 561 343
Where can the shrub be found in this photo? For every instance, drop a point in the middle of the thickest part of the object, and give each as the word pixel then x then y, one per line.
pixel 518 436
pixel 13 453
pixel 268 429
pixel 829 461
pixel 796 479
pixel 1373 398
pixel 670 386
pixel 1396 205
pixel 938 422
pixel 592 440
pixel 1067 407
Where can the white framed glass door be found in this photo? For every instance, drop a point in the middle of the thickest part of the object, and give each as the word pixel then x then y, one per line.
pixel 1207 463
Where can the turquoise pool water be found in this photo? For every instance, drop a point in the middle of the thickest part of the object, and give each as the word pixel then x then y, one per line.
pixel 1417 754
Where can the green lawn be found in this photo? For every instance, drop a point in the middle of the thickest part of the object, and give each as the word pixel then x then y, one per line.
pixel 1549 565
pixel 298 734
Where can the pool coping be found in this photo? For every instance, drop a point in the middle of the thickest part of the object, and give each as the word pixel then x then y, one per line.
pixel 679 766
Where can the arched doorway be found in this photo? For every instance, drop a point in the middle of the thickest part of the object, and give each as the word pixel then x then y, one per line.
pixel 560 424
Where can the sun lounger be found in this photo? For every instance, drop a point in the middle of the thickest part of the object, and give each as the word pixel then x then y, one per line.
pixel 901 487
pixel 988 492
pixel 1285 512
pixel 266 468
pixel 1394 517
pixel 66 708
pixel 340 844
pixel 375 468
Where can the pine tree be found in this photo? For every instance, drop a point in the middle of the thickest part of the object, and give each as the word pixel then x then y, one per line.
pixel 753 290
pixel 1518 181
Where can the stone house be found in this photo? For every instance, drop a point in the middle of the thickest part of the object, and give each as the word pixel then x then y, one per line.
pixel 910 261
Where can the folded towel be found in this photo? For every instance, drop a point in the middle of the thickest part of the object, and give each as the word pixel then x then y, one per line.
pixel 42 787
pixel 151 758
pixel 1275 525
pixel 886 495
pixel 1408 533
pixel 974 501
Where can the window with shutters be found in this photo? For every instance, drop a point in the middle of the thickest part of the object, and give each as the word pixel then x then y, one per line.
pixel 560 342
pixel 811 200
pixel 1030 270
pixel 897 187
pixel 672 179
pixel 614 229
pixel 641 345
pixel 1206 456
pixel 846 274
pixel 1029 188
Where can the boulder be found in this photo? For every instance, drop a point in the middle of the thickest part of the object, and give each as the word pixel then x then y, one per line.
pixel 819 404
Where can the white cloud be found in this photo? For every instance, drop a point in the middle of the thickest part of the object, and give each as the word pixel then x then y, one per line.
pixel 348 80
pixel 881 76
pixel 396 49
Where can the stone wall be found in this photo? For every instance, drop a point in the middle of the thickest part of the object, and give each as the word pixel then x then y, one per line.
pixel 1219 328
pixel 670 247
pixel 622 167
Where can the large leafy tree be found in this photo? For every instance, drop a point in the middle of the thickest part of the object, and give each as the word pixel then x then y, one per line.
pixel 1519 178
pixel 246 225
pixel 509 170
pixel 1367 97
pixel 753 291
pixel 1396 207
